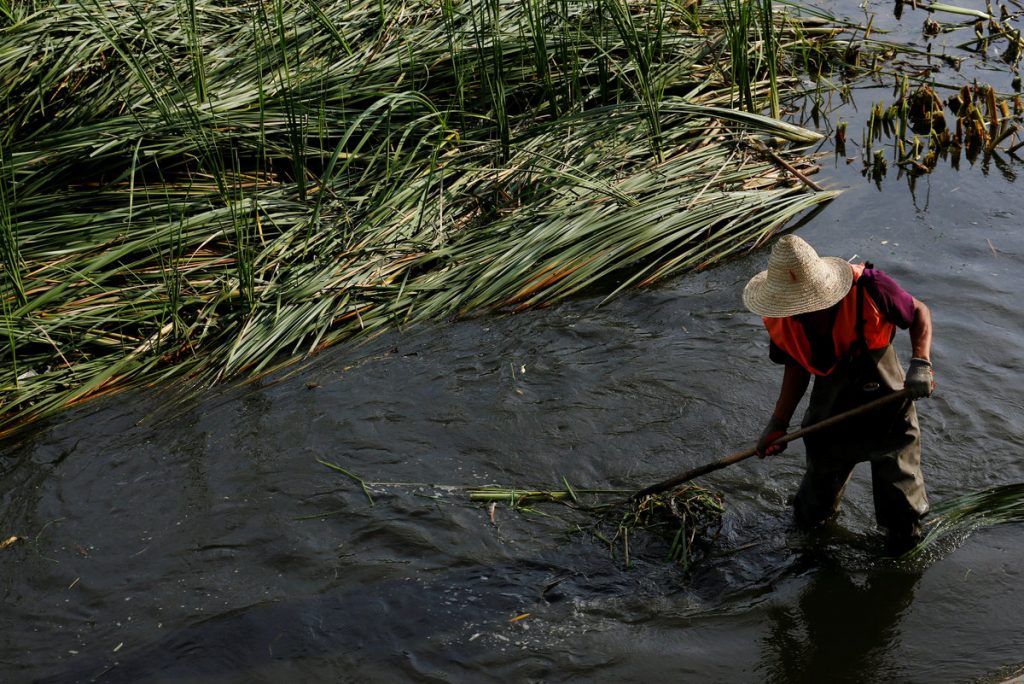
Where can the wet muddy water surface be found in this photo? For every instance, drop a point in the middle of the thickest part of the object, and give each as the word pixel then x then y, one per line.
pixel 208 543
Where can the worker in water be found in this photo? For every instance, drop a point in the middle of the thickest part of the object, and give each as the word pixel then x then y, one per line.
pixel 836 321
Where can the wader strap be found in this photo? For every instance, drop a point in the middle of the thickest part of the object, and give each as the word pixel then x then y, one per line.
pixel 861 345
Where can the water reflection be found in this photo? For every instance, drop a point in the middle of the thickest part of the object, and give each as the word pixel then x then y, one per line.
pixel 843 627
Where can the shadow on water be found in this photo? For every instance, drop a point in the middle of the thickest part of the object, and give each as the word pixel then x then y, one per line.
pixel 843 625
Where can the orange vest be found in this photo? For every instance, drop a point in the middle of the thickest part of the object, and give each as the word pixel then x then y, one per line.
pixel 788 333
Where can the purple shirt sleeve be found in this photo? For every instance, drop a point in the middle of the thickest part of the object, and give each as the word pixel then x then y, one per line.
pixel 896 305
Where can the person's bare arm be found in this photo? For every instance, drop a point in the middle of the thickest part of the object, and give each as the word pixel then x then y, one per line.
pixel 921 332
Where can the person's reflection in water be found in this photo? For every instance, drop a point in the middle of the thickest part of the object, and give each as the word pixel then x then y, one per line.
pixel 843 628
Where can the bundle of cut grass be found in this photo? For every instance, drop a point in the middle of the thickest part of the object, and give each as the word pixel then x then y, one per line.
pixel 686 517
pixel 206 189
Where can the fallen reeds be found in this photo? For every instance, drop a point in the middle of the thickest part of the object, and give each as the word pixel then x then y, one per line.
pixel 687 518
pixel 969 512
pixel 204 189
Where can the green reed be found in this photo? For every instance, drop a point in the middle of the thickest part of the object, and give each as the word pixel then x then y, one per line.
pixel 769 39
pixel 199 189
pixel 738 34
pixel 968 512
pixel 196 49
pixel 536 35
pixel 10 253
pixel 642 42
pixel 753 42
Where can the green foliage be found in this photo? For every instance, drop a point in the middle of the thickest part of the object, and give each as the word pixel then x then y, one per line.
pixel 993 506
pixel 209 188
pixel 753 42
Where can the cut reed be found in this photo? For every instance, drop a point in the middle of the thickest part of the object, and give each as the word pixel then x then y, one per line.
pixel 969 512
pixel 194 188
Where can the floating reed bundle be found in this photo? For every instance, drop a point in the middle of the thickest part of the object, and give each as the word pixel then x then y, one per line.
pixel 686 517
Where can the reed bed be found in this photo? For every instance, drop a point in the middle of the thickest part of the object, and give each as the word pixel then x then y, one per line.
pixel 205 189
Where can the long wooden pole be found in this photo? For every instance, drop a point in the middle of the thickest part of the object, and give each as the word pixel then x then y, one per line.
pixel 789 437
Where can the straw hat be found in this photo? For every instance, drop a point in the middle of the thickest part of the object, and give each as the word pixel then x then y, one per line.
pixel 797 281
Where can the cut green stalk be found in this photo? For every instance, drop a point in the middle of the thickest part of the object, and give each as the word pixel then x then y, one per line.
pixel 515 497
pixel 771 55
pixel 346 473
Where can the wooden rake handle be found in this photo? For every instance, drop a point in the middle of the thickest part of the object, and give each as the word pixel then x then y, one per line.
pixel 788 437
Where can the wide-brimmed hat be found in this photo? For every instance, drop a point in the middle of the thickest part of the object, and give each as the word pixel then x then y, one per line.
pixel 797 281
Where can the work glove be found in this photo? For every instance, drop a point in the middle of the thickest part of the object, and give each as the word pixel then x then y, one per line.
pixel 776 428
pixel 920 380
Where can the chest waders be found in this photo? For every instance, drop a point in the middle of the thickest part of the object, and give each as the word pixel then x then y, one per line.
pixel 889 439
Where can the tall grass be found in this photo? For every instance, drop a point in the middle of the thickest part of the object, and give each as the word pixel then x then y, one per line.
pixel 642 42
pixel 769 36
pixel 10 253
pixel 205 189
pixel 753 43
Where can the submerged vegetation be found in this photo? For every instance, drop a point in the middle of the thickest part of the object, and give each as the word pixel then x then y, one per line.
pixel 931 118
pixel 916 122
pixel 686 518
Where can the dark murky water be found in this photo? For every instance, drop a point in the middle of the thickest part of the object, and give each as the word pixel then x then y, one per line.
pixel 211 546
